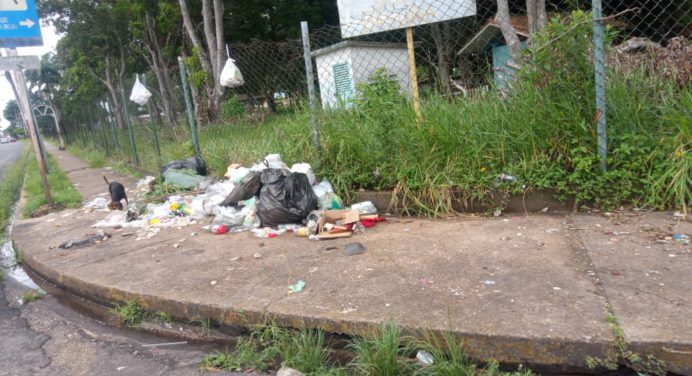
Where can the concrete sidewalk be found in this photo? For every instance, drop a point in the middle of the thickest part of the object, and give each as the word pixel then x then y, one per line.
pixel 531 289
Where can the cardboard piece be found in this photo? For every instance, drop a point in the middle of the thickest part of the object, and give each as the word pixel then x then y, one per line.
pixel 333 223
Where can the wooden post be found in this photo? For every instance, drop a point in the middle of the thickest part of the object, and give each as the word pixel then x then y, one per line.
pixel 25 108
pixel 414 76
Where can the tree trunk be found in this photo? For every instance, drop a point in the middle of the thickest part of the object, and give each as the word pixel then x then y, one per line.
pixel 503 19
pixel 211 59
pixel 440 39
pixel 57 116
pixel 535 11
pixel 160 69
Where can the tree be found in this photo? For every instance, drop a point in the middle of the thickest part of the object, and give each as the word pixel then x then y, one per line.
pixel 156 28
pixel 209 54
pixel 535 12
pixel 96 41
pixel 46 80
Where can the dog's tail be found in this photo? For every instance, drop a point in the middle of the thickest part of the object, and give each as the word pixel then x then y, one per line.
pixel 104 178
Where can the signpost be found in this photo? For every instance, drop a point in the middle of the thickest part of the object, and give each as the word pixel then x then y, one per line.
pixel 19 27
pixel 12 63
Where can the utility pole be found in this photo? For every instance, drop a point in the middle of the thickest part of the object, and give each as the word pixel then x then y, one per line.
pixel 27 116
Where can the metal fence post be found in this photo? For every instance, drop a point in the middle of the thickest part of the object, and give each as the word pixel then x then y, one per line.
pixel 99 121
pixel 129 127
pixel 599 68
pixel 188 105
pixel 309 75
pixel 111 124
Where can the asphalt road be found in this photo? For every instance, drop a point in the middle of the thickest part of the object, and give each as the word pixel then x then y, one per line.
pixel 8 154
pixel 46 337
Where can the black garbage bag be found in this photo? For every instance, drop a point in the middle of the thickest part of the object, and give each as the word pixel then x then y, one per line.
pixel 249 186
pixel 285 198
pixel 193 163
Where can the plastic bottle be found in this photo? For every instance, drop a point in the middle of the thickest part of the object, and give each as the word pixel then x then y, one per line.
pixel 219 229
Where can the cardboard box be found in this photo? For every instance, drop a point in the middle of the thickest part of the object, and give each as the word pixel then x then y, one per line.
pixel 336 220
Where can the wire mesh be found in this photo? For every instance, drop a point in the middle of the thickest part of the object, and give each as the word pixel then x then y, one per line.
pixel 463 53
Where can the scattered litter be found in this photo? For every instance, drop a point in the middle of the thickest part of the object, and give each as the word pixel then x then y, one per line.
pixel 426 281
pixel 165 344
pixel 195 163
pixel 214 283
pixel 682 238
pixel 146 185
pixel 424 358
pixel 286 371
pixel 306 169
pixel 679 215
pixel 507 178
pixel 365 207
pixel 545 210
pixel 99 203
pixel 267 232
pixel 176 246
pixel 488 282
pixel 354 248
pixel 498 213
pixel 671 255
pixel 326 198
pixel 235 258
pixel 552 230
pixel 185 178
pixel 297 287
pixel 89 239
pixel 556 288
pixel 258 255
pixel 120 368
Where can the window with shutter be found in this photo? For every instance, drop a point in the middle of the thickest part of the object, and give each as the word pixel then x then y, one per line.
pixel 343 82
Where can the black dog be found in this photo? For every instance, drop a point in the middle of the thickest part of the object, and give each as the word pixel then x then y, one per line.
pixel 117 192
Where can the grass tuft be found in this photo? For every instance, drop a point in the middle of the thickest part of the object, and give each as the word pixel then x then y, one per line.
pixel 30 296
pixel 132 313
pixel 63 192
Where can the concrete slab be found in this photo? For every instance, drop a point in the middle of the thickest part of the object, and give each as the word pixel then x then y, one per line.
pixel 646 275
pixel 519 289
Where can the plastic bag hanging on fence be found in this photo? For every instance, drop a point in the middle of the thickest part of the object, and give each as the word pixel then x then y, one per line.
pixel 230 75
pixel 140 94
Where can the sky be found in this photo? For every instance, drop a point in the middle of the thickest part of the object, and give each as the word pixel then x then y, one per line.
pixel 50 41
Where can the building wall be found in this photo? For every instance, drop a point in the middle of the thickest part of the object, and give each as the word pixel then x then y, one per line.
pixel 363 62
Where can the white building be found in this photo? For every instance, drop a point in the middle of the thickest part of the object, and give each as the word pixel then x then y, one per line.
pixel 342 66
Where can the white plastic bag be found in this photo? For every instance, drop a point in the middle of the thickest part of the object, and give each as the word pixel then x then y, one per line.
pixel 304 168
pixel 140 94
pixel 230 75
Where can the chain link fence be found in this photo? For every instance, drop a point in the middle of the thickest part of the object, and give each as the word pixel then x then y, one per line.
pixel 463 58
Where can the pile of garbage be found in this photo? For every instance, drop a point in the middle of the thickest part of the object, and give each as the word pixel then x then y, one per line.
pixel 268 198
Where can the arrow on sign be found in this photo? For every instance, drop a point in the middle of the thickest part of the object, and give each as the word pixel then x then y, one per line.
pixel 28 23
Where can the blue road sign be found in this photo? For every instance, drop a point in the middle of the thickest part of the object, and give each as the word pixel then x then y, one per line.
pixel 19 26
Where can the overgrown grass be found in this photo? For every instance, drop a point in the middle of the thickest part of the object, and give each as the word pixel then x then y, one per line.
pixel 384 352
pixel 11 187
pixel 543 132
pixel 63 192
pixel 94 157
